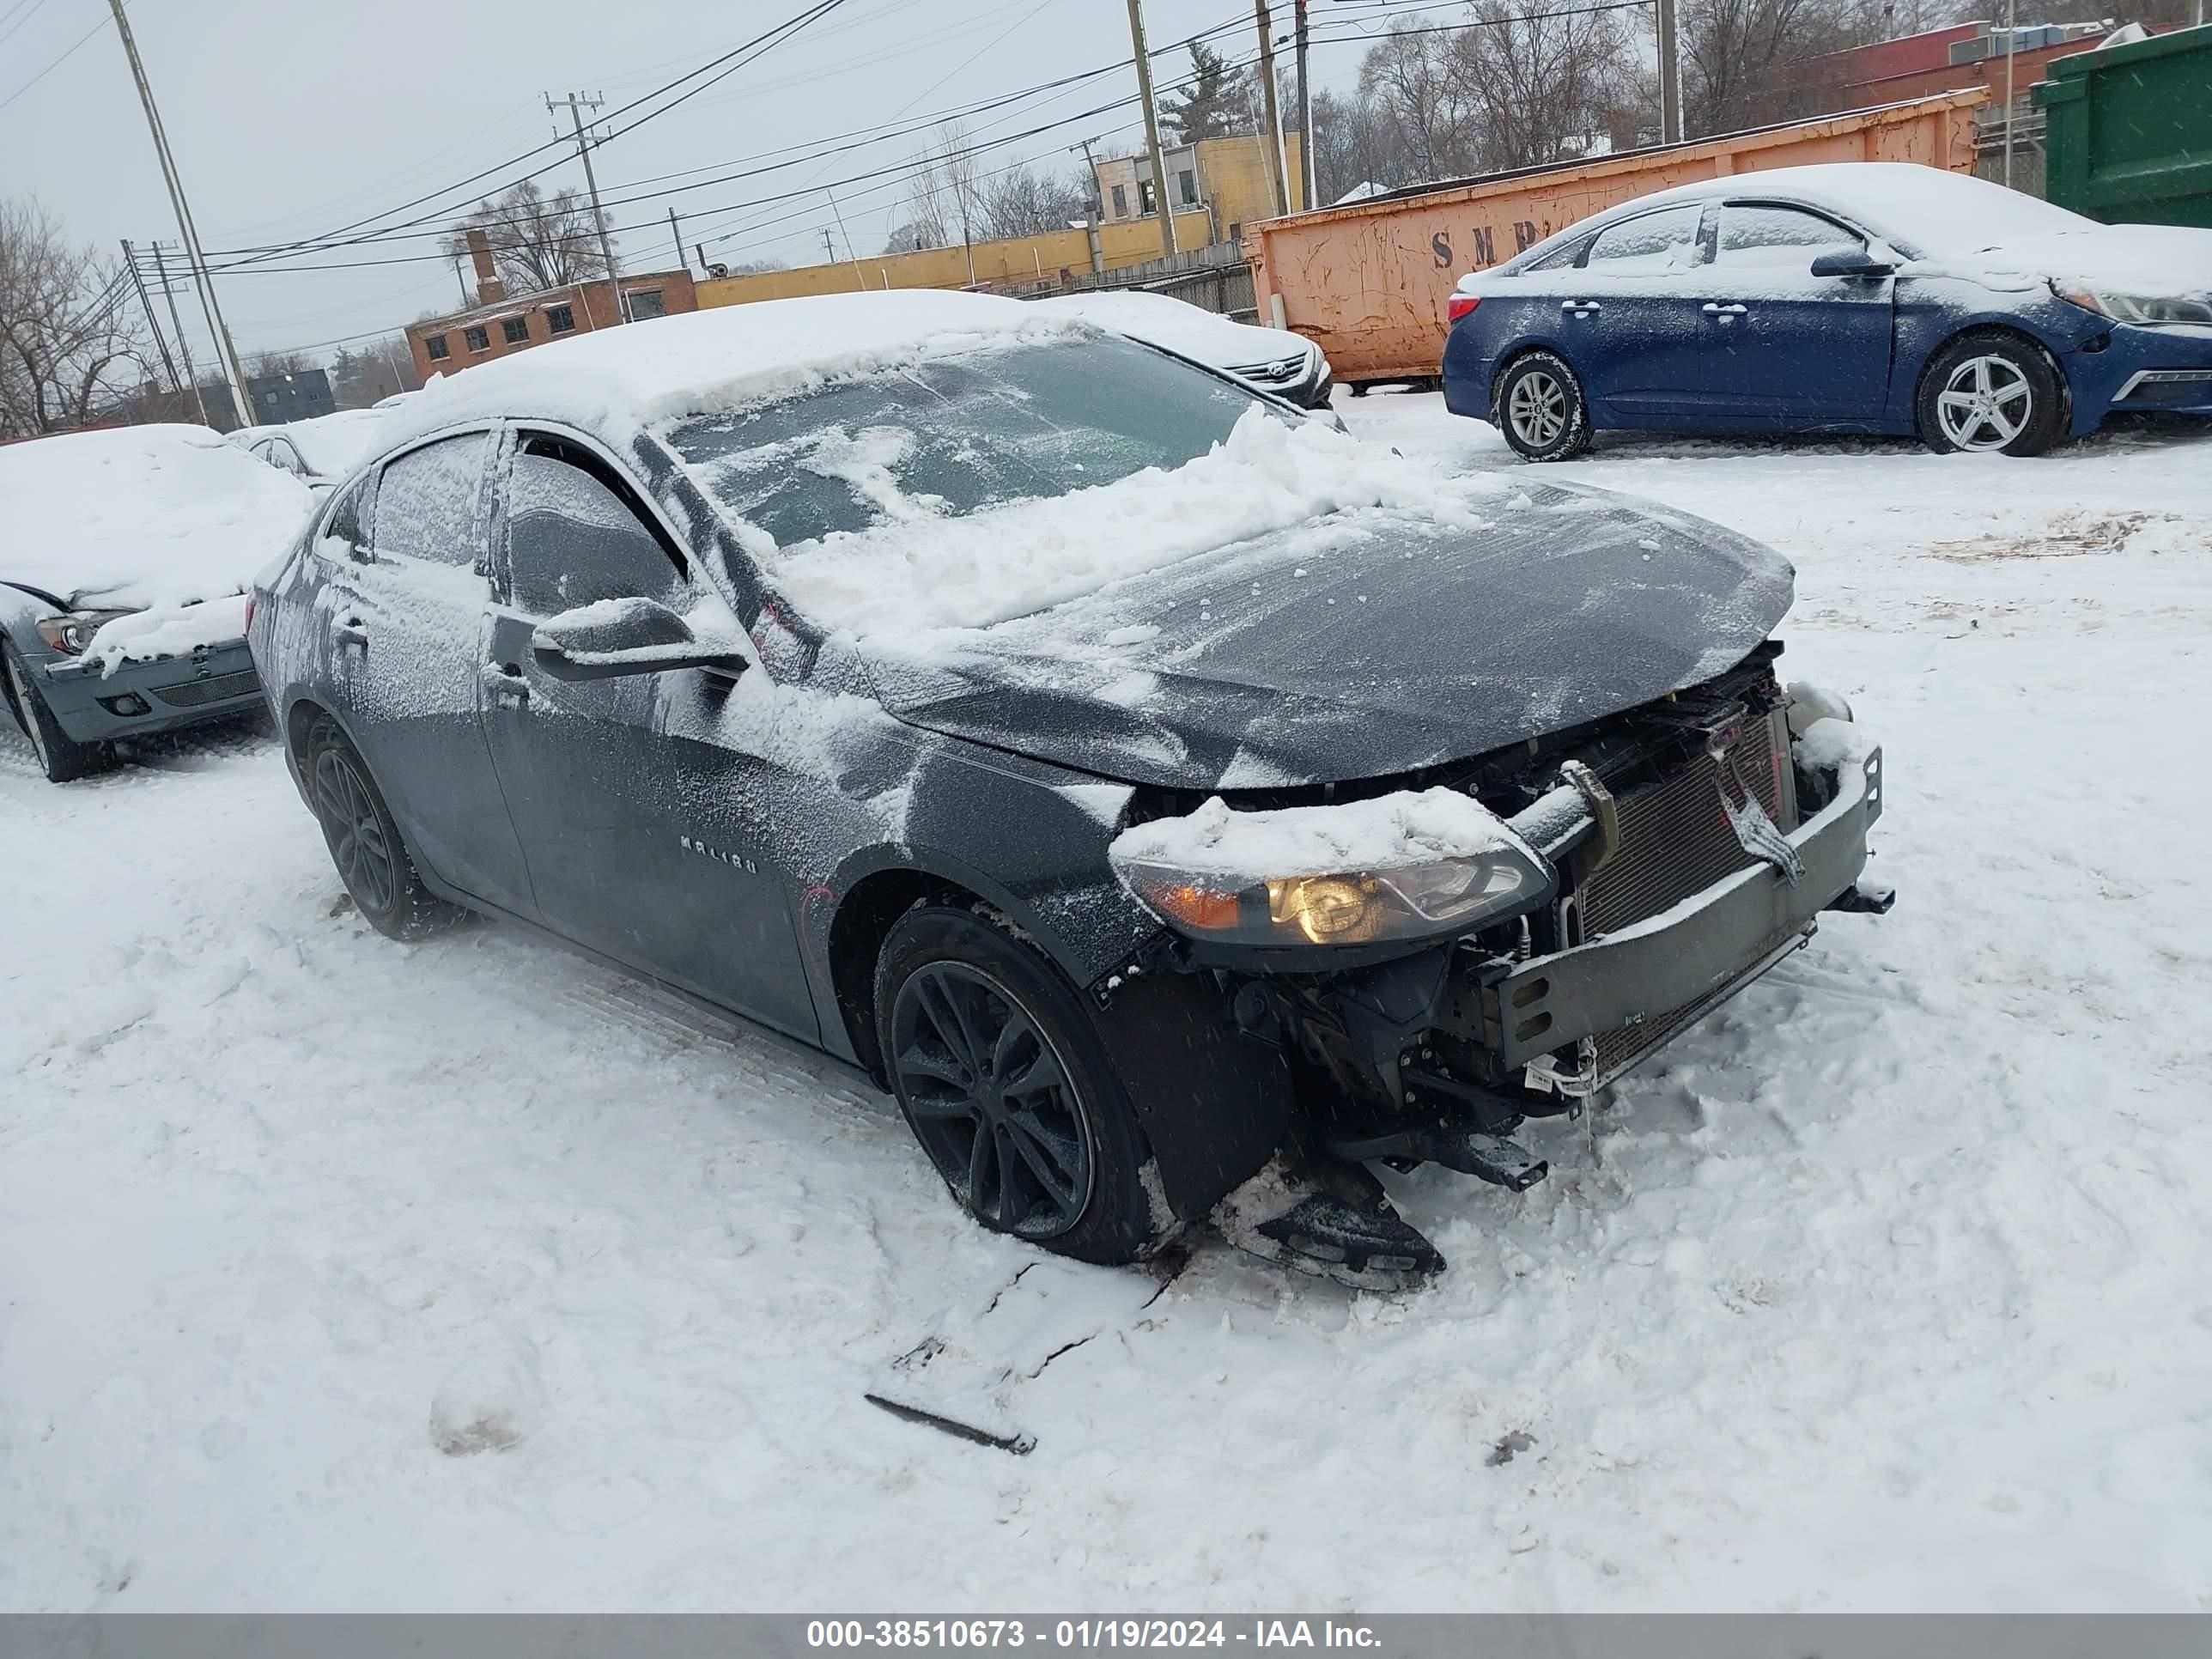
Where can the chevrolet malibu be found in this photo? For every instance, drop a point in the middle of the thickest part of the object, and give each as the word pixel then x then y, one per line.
pixel 1181 807
pixel 1873 297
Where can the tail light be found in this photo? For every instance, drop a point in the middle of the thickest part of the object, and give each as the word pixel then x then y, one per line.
pixel 1461 305
pixel 249 610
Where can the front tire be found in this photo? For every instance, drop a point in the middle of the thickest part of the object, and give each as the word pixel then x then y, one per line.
pixel 60 757
pixel 1538 404
pixel 372 857
pixel 1991 394
pixel 1002 1077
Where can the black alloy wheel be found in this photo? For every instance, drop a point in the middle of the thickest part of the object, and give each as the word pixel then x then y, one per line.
pixel 1001 1073
pixel 372 857
pixel 991 1101
pixel 358 845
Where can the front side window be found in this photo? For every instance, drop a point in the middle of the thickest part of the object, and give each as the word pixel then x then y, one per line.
pixel 1780 238
pixel 435 345
pixel 576 534
pixel 478 339
pixel 428 505
pixel 517 330
pixel 945 438
pixel 560 319
pixel 1649 245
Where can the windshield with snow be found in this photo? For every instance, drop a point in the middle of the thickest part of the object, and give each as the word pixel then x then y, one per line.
pixel 945 438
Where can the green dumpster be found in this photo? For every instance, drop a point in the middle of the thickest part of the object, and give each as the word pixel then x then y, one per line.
pixel 2129 135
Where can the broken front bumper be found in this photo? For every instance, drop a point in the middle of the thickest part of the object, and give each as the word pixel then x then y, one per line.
pixel 1665 971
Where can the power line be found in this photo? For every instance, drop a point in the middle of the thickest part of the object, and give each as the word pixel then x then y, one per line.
pixel 26 17
pixel 339 238
pixel 56 64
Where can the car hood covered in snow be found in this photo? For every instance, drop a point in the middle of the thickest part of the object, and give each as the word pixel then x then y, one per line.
pixel 142 516
pixel 1374 643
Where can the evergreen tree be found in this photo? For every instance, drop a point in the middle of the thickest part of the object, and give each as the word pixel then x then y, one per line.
pixel 1213 102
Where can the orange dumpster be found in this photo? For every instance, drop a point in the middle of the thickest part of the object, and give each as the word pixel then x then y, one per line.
pixel 1368 281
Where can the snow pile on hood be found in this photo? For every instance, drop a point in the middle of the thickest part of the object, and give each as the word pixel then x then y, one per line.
pixel 616 379
pixel 167 631
pixel 1391 832
pixel 142 517
pixel 1180 327
pixel 923 573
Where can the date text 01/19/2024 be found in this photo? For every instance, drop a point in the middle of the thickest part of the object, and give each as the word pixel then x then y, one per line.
pixel 1081 1633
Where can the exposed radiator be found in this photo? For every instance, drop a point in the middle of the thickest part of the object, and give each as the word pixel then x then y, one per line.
pixel 1675 840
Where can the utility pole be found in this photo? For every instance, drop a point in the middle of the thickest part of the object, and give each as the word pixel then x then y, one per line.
pixel 138 282
pixel 1670 77
pixel 1305 117
pixel 184 346
pixel 838 214
pixel 1152 130
pixel 1098 201
pixel 676 232
pixel 1279 172
pixel 577 104
pixel 2012 40
pixel 828 246
pixel 194 259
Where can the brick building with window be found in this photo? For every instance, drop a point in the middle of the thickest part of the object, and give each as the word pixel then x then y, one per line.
pixel 499 324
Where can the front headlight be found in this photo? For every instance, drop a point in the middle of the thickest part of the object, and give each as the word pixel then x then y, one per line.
pixel 2145 310
pixel 1405 867
pixel 72 630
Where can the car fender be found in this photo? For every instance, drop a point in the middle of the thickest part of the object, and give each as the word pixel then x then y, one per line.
pixel 1928 321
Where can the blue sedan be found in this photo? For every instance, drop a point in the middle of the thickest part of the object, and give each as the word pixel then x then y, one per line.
pixel 1869 297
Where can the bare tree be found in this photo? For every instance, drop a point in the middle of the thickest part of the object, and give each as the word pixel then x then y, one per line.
pixel 943 200
pixel 1355 145
pixel 1025 201
pixel 1749 63
pixel 1430 114
pixel 280 362
pixel 70 344
pixel 537 241
pixel 1546 77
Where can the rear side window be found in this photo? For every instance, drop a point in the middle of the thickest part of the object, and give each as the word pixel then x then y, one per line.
pixel 1779 237
pixel 429 503
pixel 1649 244
pixel 576 534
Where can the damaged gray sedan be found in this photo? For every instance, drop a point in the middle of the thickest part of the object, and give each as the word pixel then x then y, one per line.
pixel 1180 805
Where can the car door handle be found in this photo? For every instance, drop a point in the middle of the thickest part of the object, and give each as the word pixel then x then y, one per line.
pixel 505 682
pixel 350 632
pixel 1580 307
pixel 1715 309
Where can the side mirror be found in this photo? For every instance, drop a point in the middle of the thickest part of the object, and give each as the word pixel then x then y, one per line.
pixel 619 637
pixel 1851 261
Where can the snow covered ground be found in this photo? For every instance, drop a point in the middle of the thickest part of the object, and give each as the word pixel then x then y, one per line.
pixel 340 1275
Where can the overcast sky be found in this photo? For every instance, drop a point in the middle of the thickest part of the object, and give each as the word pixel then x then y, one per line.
pixel 291 117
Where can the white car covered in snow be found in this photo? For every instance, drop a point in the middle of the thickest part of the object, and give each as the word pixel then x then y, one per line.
pixel 1286 365
pixel 320 452
pixel 124 557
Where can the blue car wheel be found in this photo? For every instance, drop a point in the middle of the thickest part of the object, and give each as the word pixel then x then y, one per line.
pixel 1539 408
pixel 1992 394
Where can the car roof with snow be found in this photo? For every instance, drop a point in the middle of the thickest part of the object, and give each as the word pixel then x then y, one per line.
pixel 332 445
pixel 141 515
pixel 615 380
pixel 1937 216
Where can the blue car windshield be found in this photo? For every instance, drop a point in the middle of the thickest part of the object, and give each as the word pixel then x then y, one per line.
pixel 952 435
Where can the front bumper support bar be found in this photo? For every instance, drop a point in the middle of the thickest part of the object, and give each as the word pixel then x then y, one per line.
pixel 1684 954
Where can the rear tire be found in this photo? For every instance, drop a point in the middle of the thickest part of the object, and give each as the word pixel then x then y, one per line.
pixel 372 857
pixel 61 756
pixel 1538 404
pixel 1991 394
pixel 1001 1073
